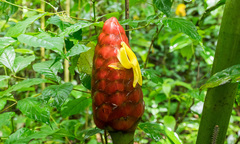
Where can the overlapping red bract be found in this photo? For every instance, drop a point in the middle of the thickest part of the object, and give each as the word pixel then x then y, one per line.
pixel 117 105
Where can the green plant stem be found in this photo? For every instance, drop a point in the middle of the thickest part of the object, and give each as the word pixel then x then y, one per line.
pixel 149 49
pixel 94 15
pixel 119 137
pixel 208 12
pixel 169 105
pixel 66 62
pixel 86 118
pixel 105 137
pixel 22 7
pixel 5 70
pixel 49 5
pixel 101 138
pixel 54 120
pixel 219 101
pixel 42 49
pixel 80 19
pixel 17 77
pixel 138 27
pixel 82 91
pixel 8 107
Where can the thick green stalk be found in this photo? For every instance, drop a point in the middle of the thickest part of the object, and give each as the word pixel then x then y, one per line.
pixel 119 137
pixel 219 101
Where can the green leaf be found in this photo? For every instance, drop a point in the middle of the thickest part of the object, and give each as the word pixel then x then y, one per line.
pixel 109 15
pixel 24 135
pixel 172 136
pixel 183 26
pixel 77 49
pixel 77 35
pixel 75 27
pixel 187 52
pixel 163 5
pixel 24 84
pixel 7 58
pixel 18 135
pixel 22 62
pixel 134 2
pixel 169 121
pixel 74 61
pixel 3 77
pixel 152 75
pixel 33 108
pixel 53 43
pixel 221 2
pixel 85 60
pixel 85 80
pixel 8 97
pixel 166 89
pixel 56 21
pixel 197 95
pixel 153 130
pixel 2 104
pixel 75 106
pixel 132 23
pixel 63 133
pixel 5 118
pixel 21 27
pixel 24 51
pixel 90 132
pixel 179 41
pixel 58 92
pixel 68 44
pixel 98 24
pixel 50 71
pixel 78 26
pixel 186 85
pixel 231 74
pixel 4 42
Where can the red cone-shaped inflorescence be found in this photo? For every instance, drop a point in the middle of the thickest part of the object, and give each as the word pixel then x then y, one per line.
pixel 117 105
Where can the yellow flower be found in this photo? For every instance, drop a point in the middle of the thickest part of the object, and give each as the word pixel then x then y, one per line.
pixel 180 11
pixel 128 60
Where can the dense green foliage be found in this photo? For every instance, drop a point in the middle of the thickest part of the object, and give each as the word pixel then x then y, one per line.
pixel 175 54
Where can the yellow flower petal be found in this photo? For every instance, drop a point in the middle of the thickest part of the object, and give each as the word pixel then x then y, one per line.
pixel 135 76
pixel 180 11
pixel 140 75
pixel 128 60
pixel 123 58
pixel 116 66
pixel 134 62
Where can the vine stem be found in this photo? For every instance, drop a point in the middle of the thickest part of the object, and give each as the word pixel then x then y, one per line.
pixel 8 107
pixel 208 12
pixel 138 28
pixel 21 6
pixel 66 63
pixel 127 16
pixel 80 19
pixel 42 49
pixel 49 5
pixel 145 64
pixel 18 77
pixel 82 91
pixel 40 11
pixel 94 14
